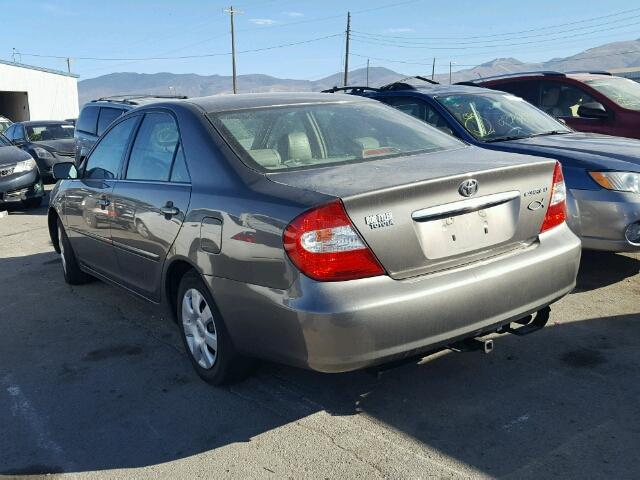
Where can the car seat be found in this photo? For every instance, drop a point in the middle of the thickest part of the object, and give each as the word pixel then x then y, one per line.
pixel 550 98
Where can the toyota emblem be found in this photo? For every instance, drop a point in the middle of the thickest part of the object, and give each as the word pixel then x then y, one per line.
pixel 468 188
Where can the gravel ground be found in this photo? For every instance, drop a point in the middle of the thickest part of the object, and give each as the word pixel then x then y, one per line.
pixel 95 383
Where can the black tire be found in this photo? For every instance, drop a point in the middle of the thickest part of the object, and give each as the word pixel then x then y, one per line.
pixel 34 202
pixel 70 268
pixel 228 366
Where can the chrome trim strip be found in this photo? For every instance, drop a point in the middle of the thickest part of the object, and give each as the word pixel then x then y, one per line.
pixel 464 206
pixel 136 251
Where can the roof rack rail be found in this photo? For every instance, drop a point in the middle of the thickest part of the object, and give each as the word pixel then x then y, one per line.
pixel 130 98
pixel 593 72
pixel 545 73
pixel 350 89
pixel 402 85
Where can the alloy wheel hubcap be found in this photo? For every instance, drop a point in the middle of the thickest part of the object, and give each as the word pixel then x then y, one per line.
pixel 199 328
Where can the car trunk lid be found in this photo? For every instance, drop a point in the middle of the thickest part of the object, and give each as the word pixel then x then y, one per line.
pixel 412 214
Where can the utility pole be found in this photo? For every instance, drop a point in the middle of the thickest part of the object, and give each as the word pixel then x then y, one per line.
pixel 68 65
pixel 367 72
pixel 231 13
pixel 433 68
pixel 450 73
pixel 346 52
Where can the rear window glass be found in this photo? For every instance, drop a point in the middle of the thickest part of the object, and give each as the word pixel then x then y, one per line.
pixel 40 133
pixel 88 120
pixel 284 138
pixel 107 116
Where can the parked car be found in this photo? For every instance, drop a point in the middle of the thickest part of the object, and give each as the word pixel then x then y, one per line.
pixel 588 102
pixel 602 173
pixel 97 115
pixel 19 177
pixel 327 232
pixel 4 124
pixel 48 142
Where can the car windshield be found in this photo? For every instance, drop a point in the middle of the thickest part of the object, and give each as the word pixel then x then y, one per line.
pixel 623 91
pixel 298 136
pixel 38 133
pixel 4 124
pixel 4 142
pixel 494 117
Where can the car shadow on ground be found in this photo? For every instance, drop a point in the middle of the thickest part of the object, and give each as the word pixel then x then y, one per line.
pixel 599 269
pixel 91 379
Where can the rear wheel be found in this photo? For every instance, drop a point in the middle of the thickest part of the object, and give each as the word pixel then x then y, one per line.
pixel 205 336
pixel 72 273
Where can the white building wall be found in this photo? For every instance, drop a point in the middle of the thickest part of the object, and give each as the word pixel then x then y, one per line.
pixel 52 96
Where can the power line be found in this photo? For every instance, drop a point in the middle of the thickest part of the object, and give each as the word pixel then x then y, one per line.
pixel 538 29
pixel 330 17
pixel 181 57
pixel 418 40
pixel 386 43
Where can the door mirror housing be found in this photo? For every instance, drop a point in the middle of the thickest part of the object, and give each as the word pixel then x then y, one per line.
pixel 592 110
pixel 64 171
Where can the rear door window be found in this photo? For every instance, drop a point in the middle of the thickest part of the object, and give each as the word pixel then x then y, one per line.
pixel 154 148
pixel 106 118
pixel 88 120
pixel 421 110
pixel 529 90
pixel 105 159
pixel 562 99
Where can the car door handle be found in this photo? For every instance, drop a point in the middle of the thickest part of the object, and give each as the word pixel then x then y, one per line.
pixel 104 202
pixel 169 210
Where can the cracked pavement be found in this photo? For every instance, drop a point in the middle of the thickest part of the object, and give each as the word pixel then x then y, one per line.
pixel 96 384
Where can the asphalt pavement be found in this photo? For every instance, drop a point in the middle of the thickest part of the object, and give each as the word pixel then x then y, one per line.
pixel 96 384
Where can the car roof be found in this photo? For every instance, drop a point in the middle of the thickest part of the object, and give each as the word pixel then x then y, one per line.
pixel 219 103
pixel 133 100
pixel 577 75
pixel 32 123
pixel 435 90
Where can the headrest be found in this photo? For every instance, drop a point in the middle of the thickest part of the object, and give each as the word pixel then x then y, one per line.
pixel 366 143
pixel 551 97
pixel 266 157
pixel 299 148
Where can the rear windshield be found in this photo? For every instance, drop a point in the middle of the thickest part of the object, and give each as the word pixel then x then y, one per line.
pixel 285 138
pixel 39 133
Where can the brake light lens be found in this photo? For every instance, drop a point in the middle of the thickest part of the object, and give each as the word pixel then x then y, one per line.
pixel 324 245
pixel 557 211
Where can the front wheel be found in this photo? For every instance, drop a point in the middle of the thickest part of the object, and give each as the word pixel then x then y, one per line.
pixel 72 273
pixel 205 336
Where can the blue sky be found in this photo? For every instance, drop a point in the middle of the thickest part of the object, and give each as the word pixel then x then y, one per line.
pixel 410 33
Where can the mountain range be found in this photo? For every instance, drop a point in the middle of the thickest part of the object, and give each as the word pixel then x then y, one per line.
pixel 604 57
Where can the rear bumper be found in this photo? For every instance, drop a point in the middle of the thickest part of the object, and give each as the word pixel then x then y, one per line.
pixel 601 217
pixel 341 326
pixel 21 187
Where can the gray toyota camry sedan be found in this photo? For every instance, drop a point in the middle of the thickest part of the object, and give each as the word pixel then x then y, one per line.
pixel 326 232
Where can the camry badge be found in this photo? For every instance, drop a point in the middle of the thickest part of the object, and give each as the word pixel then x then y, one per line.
pixel 468 188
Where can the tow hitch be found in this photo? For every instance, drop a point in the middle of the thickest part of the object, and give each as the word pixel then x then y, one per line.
pixel 473 345
pixel 528 326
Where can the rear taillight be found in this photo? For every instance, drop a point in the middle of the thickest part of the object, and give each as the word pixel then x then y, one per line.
pixel 325 246
pixel 557 211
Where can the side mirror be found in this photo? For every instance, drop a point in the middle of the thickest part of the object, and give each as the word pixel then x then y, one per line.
pixel 64 171
pixel 592 110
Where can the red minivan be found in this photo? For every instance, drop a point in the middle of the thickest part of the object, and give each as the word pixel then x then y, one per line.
pixel 588 102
